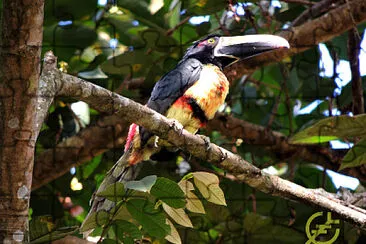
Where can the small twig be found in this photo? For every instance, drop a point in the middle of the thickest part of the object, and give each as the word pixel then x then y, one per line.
pixel 250 16
pixel 324 177
pixel 254 201
pixel 354 42
pixel 285 75
pixel 258 82
pixel 222 25
pixel 275 108
pixel 303 2
pixel 170 31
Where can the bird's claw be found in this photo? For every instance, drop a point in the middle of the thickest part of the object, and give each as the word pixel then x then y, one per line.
pixel 207 141
pixel 178 127
pixel 156 141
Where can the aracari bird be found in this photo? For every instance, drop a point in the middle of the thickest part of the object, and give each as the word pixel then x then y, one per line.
pixel 191 93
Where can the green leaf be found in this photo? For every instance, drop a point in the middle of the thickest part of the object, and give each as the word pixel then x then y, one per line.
pixel 356 156
pixel 178 215
pixel 122 214
pixel 95 219
pixel 143 185
pixel 169 192
pixel 125 230
pixel 151 219
pixel 332 128
pixel 114 192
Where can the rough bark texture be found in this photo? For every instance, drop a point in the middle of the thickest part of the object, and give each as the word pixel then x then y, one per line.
pixel 21 40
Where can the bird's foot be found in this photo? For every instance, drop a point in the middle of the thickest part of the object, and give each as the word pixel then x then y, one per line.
pixel 207 141
pixel 176 126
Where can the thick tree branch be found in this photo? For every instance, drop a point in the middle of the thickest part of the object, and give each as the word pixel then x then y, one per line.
pixel 301 38
pixel 107 102
pixel 314 11
pixel 20 113
pixel 108 133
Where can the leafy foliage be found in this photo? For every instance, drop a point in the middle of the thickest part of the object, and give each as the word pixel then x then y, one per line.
pixel 138 204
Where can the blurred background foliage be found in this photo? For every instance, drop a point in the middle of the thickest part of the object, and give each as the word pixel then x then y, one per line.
pixel 114 43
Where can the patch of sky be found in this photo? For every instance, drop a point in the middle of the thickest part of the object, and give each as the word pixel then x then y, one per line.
pixel 343 180
pixel 276 4
pixel 196 20
pixel 102 2
pixel 113 43
pixel 65 22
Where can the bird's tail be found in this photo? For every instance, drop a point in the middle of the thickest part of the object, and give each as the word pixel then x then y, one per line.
pixel 125 169
pixel 122 172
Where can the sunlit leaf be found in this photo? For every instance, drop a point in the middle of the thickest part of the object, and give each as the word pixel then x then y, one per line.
pixel 332 128
pixel 216 195
pixel 173 237
pixel 178 215
pixel 194 204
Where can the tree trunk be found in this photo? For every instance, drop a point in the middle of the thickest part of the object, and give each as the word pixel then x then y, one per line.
pixel 20 45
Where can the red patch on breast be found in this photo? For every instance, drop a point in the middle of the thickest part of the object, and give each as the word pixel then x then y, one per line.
pixel 182 102
pixel 130 136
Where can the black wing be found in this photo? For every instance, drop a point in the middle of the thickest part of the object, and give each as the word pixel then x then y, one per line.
pixel 171 87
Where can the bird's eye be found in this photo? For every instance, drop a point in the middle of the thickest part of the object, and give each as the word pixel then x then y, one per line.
pixel 211 40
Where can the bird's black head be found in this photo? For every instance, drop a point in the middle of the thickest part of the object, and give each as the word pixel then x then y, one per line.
pixel 226 50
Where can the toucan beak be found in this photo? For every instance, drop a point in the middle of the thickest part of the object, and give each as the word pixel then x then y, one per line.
pixel 231 49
